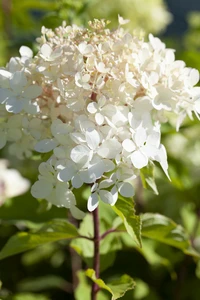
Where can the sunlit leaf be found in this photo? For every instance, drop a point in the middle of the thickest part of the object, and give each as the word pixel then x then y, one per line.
pixel 29 296
pixel 53 231
pixel 83 291
pixel 116 288
pixel 124 208
pixel 164 230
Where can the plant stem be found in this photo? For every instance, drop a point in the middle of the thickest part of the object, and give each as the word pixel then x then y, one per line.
pixel 112 230
pixel 96 262
pixel 196 227
pixel 75 258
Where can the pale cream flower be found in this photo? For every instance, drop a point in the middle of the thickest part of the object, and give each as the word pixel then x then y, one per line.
pixel 12 184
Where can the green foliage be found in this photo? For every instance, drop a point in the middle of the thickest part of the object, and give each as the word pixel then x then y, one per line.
pixel 29 296
pixel 116 288
pixel 164 230
pixel 124 208
pixel 53 231
pixel 26 208
pixel 108 246
pixel 141 290
pixel 41 283
pixel 83 291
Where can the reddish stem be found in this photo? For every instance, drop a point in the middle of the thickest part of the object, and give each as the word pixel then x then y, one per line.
pixel 96 263
pixel 110 231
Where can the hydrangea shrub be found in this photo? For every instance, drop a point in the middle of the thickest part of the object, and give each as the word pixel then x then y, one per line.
pixel 93 101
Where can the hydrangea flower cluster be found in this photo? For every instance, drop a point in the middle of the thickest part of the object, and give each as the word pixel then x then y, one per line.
pixel 94 99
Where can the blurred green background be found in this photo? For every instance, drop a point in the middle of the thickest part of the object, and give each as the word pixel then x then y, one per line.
pixel 161 272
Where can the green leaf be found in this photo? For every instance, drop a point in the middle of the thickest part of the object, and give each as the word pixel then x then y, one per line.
pixel 41 283
pixel 124 208
pixel 26 207
pixel 117 288
pixel 147 177
pixel 141 290
pixel 164 230
pixel 83 291
pixel 53 231
pixel 29 296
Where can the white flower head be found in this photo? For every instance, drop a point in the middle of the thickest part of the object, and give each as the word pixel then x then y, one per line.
pixel 94 100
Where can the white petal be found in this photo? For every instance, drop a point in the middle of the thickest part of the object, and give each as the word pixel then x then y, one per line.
pixel 197 105
pixel 102 101
pixel 106 196
pixel 55 54
pixel 94 187
pixel 77 137
pixel 92 107
pixel 194 77
pixel 154 138
pixel 99 118
pixel 60 128
pixel 109 149
pixel 180 119
pixel 102 68
pixel 15 184
pixel 140 136
pixel 14 105
pixel 18 81
pixel 45 145
pixel 114 193
pixel 92 138
pixel 139 160
pixel 14 134
pixel 93 202
pixel 46 50
pixel 4 94
pixel 65 197
pixel 41 189
pixel 77 181
pixel 109 165
pixel 59 152
pixel 128 145
pixel 93 173
pixel 162 159
pixel 163 98
pixel 35 123
pixel 80 154
pixel 32 91
pixel 85 49
pixel 76 212
pixel 105 184
pixel 66 174
pixel 5 74
pixel 45 169
pixel 149 150
pixel 122 21
pixel 85 78
pixel 126 189
pixel 26 51
pixel 31 108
